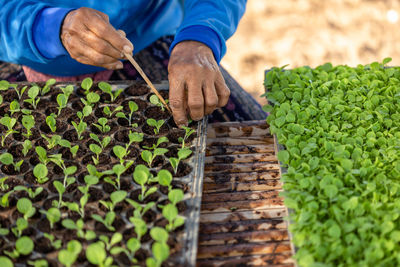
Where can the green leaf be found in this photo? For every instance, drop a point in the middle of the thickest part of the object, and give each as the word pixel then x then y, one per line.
pixel 5 262
pixel 118 196
pixel 24 245
pixel 24 205
pixel 283 156
pixel 334 231
pixel 159 234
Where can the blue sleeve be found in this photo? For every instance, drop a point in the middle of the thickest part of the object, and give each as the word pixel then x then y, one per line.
pixel 211 22
pixel 46 31
pixel 17 18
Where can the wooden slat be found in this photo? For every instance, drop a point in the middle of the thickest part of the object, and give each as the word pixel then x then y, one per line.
pixel 241 222
pixel 239 149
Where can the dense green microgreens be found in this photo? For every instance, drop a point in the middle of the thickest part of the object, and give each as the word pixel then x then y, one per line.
pixel 339 126
pixel 106 88
pixel 133 107
pixel 157 124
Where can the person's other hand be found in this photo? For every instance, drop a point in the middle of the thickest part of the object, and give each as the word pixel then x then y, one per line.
pixel 196 84
pixel 90 39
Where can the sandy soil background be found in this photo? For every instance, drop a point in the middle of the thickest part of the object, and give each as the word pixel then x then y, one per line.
pixel 311 32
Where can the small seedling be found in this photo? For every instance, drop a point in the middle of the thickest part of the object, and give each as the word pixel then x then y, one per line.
pixel 67 90
pixel 21 225
pixel 26 146
pixel 32 194
pixel 148 156
pixel 1 99
pixel 106 88
pixel 141 176
pixel 24 206
pixel 140 227
pixel 73 149
pixel 87 84
pixel 103 143
pixel 107 221
pixel 118 169
pixel 188 132
pixel 62 101
pixel 109 113
pixel 170 212
pixel 28 122
pixel 116 197
pixel 132 246
pixel 175 196
pixel 79 128
pixel 160 140
pixel 4 231
pixel 78 226
pixel 102 125
pixel 115 239
pixel 160 254
pixel 80 209
pixel 183 153
pixel 139 209
pixel 164 178
pixel 120 152
pixel 14 107
pixel 38 263
pixel 68 256
pixel 41 152
pixel 3 185
pixel 134 137
pixel 23 246
pixel 53 215
pixel 4 199
pixel 52 141
pixel 8 159
pixel 33 92
pixel 91 99
pixel 157 124
pixel 47 86
pixel 51 122
pixel 133 107
pixel 156 101
pixel 19 92
pixel 97 151
pixel 40 172
pixel 9 123
pixel 56 244
pixel 96 254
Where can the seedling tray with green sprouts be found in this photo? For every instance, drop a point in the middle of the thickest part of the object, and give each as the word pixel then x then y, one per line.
pixel 96 174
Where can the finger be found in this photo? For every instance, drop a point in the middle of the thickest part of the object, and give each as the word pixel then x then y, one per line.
pixel 86 55
pixel 122 33
pixel 177 97
pixel 210 98
pixel 107 32
pixel 100 45
pixel 222 90
pixel 195 98
pixel 102 15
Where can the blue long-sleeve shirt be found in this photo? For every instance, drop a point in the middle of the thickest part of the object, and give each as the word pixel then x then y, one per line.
pixel 30 30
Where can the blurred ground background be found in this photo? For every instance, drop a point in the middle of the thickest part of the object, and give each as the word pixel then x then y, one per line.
pixel 311 32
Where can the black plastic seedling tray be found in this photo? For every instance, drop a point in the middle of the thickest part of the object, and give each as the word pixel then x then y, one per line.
pixel 182 241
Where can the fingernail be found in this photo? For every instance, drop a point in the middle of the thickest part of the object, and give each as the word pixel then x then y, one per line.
pixel 119 65
pixel 127 49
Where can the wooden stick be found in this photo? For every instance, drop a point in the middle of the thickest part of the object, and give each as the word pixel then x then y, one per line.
pixel 149 83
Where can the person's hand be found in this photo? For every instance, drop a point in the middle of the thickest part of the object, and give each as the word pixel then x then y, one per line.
pixel 90 39
pixel 196 86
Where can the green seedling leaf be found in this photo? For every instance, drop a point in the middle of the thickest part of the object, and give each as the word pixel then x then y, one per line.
pixel 175 196
pixel 24 245
pixel 87 84
pixel 40 172
pixel 118 196
pixel 96 254
pixel 164 177
pixel 159 234
pixel 68 256
pixel 5 262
